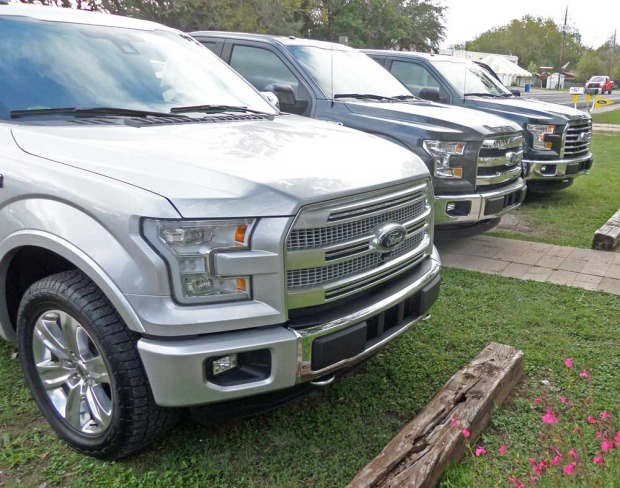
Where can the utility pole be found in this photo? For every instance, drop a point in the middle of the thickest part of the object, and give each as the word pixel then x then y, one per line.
pixel 613 53
pixel 564 28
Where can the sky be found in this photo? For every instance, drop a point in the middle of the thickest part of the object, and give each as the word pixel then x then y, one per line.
pixel 467 19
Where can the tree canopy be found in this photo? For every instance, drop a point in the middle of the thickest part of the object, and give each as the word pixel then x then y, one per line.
pixel 533 39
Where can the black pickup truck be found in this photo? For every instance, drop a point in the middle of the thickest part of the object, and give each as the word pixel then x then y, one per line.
pixel 474 158
pixel 557 138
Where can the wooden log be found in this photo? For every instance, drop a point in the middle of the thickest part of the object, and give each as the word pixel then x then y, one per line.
pixel 421 451
pixel 607 238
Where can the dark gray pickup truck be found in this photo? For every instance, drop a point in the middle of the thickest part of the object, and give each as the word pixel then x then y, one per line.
pixel 474 158
pixel 557 138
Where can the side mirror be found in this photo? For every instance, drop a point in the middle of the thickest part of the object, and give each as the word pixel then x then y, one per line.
pixel 430 94
pixel 271 98
pixel 515 92
pixel 286 97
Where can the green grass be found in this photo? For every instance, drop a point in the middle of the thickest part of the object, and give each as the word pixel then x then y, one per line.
pixel 609 117
pixel 324 439
pixel 570 217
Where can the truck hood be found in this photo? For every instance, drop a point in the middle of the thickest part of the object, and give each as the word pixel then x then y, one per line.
pixel 229 169
pixel 444 122
pixel 527 110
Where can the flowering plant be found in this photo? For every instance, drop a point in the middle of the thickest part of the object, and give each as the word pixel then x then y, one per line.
pixel 577 443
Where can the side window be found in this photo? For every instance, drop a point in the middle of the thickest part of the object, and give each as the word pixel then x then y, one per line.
pixel 212 45
pixel 416 77
pixel 262 67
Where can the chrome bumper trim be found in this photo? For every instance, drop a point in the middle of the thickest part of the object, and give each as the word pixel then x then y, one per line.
pixel 305 337
pixel 478 204
pixel 534 168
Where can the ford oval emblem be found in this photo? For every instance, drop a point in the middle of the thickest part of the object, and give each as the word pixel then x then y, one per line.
pixel 388 236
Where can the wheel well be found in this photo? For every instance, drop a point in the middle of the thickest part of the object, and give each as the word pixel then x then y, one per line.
pixel 28 265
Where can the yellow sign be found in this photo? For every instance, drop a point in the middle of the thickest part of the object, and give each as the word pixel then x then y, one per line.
pixel 602 102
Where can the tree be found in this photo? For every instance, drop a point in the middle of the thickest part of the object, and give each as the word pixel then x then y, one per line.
pixel 589 65
pixel 389 24
pixel 532 39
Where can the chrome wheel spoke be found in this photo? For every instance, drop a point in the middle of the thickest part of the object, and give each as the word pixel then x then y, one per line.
pixel 100 406
pixel 73 409
pixel 53 375
pixel 48 332
pixel 70 330
pixel 97 369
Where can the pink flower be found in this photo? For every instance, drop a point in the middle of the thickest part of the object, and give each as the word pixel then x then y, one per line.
pixel 532 462
pixel 537 400
pixel 556 460
pixel 563 399
pixel 598 459
pixel 480 451
pixel 466 433
pixel 599 436
pixel 569 468
pixel 515 482
pixel 532 481
pixel 540 468
pixel 454 422
pixel 605 415
pixel 568 362
pixel 607 445
pixel 502 450
pixel 549 417
pixel 572 453
pixel 584 374
pixel 617 439
pixel 592 420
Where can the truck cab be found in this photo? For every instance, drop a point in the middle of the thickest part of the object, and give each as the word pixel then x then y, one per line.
pixel 556 146
pixel 474 158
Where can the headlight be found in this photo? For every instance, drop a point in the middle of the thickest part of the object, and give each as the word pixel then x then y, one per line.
pixel 538 136
pixel 441 151
pixel 189 248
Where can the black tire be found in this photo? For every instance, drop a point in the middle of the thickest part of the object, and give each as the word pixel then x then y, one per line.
pixel 133 418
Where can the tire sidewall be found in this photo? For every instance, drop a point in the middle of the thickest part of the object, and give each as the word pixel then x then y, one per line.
pixel 36 305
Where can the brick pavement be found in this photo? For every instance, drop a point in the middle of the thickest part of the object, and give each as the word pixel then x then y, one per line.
pixel 570 266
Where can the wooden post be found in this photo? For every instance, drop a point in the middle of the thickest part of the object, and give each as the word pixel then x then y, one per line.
pixel 420 452
pixel 607 237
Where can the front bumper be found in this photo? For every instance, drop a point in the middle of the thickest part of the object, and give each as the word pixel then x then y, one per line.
pixel 559 169
pixel 478 206
pixel 178 370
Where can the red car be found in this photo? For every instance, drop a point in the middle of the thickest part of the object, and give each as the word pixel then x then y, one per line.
pixel 603 82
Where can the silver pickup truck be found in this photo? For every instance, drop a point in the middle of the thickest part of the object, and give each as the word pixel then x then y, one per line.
pixel 168 239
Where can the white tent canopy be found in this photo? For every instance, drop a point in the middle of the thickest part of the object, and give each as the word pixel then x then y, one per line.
pixel 509 72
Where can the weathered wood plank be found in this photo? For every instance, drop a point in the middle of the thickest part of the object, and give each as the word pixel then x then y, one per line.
pixel 420 452
pixel 607 238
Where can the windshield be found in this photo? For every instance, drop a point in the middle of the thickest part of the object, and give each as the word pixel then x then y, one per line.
pixel 597 78
pixel 48 65
pixel 353 72
pixel 469 78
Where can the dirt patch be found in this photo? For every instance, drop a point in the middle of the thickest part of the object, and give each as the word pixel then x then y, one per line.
pixel 516 224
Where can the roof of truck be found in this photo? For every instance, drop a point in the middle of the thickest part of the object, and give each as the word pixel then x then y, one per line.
pixel 59 14
pixel 406 54
pixel 274 40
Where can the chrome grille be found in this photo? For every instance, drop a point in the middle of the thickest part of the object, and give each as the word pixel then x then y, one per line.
pixel 578 135
pixel 308 238
pixel 329 251
pixel 317 276
pixel 499 160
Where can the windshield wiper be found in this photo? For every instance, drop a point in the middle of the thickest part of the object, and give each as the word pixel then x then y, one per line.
pixel 405 97
pixel 93 111
pixel 215 109
pixel 485 94
pixel 361 96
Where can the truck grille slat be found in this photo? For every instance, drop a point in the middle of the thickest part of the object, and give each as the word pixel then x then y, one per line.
pixel 498 160
pixel 337 237
pixel 578 135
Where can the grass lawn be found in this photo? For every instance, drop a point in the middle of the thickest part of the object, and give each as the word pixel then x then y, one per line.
pixel 324 439
pixel 609 117
pixel 570 217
